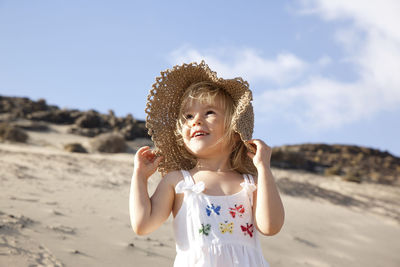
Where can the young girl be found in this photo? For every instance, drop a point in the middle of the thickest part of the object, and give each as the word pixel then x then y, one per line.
pixel 217 181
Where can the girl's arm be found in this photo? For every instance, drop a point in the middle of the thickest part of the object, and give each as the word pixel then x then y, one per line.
pixel 268 210
pixel 147 214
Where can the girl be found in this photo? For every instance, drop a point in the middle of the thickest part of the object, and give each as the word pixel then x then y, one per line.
pixel 217 181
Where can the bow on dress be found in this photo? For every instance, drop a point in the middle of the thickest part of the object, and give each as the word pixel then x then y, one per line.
pixel 182 187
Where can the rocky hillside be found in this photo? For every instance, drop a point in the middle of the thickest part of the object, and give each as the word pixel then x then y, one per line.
pixel 352 163
pixel 88 123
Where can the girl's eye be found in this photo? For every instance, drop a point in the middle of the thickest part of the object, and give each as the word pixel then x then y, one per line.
pixel 210 112
pixel 188 116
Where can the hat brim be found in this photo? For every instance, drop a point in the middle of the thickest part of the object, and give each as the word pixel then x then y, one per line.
pixel 164 102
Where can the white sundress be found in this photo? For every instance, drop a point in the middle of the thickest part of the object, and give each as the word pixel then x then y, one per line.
pixel 216 230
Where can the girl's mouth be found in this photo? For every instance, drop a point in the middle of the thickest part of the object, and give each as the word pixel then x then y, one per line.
pixel 199 134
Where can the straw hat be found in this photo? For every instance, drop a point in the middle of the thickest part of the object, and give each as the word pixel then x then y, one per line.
pixel 164 101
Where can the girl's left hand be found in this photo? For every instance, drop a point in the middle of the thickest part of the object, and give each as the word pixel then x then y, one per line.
pixel 262 156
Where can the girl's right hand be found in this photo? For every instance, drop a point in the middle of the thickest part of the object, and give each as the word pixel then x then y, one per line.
pixel 146 162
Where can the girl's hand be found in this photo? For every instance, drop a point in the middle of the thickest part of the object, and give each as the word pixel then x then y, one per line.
pixel 262 156
pixel 146 162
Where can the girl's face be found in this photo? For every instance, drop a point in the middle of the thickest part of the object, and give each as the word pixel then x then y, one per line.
pixel 203 128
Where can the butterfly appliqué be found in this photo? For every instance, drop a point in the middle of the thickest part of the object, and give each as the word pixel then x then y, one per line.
pixel 212 208
pixel 205 229
pixel 226 227
pixel 248 229
pixel 237 209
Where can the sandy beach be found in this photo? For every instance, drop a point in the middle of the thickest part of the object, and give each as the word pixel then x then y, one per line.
pixel 69 209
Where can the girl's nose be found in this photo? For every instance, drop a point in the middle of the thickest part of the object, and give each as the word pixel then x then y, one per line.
pixel 196 121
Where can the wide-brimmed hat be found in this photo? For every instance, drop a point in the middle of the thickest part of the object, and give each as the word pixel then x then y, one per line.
pixel 164 101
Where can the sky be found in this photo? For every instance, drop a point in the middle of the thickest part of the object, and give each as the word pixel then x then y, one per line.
pixel 321 71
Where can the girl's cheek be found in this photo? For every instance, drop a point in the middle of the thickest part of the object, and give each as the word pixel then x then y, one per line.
pixel 185 130
pixel 214 121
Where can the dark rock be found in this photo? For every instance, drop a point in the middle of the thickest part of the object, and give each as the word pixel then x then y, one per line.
pixel 75 147
pixel 89 132
pixel 31 125
pixel 91 119
pixel 136 130
pixel 8 132
pixel 54 116
pixel 109 143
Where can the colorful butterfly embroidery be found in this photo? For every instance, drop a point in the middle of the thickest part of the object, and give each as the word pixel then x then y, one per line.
pixel 237 209
pixel 248 229
pixel 211 208
pixel 226 227
pixel 205 229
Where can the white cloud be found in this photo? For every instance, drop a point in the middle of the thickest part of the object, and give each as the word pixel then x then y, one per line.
pixel 372 42
pixel 319 104
pixel 284 68
pixel 366 15
pixel 370 36
pixel 324 61
pixel 349 38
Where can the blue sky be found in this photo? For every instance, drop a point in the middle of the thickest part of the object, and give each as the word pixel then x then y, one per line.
pixel 320 71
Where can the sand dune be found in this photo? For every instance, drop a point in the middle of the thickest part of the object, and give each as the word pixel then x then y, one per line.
pixel 68 209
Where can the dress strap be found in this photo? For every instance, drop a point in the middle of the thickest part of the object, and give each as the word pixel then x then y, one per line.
pixel 251 179
pixel 248 178
pixel 249 186
pixel 187 177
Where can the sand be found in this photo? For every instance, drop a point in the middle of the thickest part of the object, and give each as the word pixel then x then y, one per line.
pixel 69 209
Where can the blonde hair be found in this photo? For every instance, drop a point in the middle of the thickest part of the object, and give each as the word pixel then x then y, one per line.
pixel 207 93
